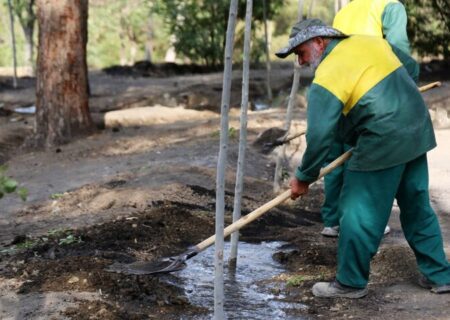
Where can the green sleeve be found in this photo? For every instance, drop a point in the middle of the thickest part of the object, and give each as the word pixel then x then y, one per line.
pixel 394 22
pixel 323 113
pixel 409 63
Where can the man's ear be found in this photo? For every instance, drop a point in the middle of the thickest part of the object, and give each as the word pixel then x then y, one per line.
pixel 320 42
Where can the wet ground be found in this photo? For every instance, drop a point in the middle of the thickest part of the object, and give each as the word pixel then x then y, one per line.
pixel 142 192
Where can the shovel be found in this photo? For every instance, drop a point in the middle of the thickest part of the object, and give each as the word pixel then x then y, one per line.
pixel 269 146
pixel 177 263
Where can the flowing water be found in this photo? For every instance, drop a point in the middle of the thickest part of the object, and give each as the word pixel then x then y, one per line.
pixel 249 293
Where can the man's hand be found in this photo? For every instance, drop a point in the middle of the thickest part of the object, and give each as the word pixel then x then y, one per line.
pixel 298 188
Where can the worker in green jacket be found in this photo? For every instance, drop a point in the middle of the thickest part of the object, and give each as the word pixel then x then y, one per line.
pixel 363 92
pixel 380 18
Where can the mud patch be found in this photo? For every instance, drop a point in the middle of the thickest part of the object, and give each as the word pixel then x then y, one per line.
pixel 79 266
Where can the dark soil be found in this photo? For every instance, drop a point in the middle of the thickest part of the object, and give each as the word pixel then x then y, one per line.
pixel 144 192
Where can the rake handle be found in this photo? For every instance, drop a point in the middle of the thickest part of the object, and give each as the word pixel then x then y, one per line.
pixel 269 205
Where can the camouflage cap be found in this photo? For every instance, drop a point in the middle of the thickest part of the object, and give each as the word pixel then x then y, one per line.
pixel 306 30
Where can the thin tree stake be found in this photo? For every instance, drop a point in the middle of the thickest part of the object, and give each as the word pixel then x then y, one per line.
pixel 281 151
pixel 221 165
pixel 242 134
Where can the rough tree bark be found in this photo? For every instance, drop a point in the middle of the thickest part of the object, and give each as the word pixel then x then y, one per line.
pixel 62 110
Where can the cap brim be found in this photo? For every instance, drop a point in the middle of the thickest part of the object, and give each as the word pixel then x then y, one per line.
pixel 283 53
pixel 294 42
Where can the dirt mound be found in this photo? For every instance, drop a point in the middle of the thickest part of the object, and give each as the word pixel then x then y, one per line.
pixel 75 260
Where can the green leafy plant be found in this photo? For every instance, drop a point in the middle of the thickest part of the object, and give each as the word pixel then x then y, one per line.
pixel 232 133
pixel 70 239
pixel 27 244
pixel 295 281
pixel 56 196
pixel 8 185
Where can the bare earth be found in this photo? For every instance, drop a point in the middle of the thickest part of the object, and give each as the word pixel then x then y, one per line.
pixel 144 188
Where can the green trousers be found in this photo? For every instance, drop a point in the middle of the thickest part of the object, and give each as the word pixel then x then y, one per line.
pixel 333 185
pixel 364 207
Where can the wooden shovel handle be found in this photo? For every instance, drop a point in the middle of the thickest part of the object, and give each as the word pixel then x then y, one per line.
pixel 269 205
pixel 285 195
pixel 430 86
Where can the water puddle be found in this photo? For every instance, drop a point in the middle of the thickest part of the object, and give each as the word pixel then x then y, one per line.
pixel 249 293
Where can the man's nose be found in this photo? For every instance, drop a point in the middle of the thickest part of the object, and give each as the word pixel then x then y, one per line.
pixel 300 61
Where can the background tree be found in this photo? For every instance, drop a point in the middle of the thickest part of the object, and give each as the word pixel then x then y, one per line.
pixel 199 27
pixel 142 31
pixel 62 110
pixel 429 26
pixel 13 43
pixel 25 12
pixel 119 32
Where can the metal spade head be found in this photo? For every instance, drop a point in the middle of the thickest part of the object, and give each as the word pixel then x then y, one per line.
pixel 152 267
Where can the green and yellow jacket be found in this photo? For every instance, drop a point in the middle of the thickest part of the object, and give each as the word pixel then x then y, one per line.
pixel 382 18
pixel 364 94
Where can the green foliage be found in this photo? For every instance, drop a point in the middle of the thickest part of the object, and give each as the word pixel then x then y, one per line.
pixel 295 281
pixel 69 239
pixel 120 30
pixel 61 237
pixel 429 26
pixel 199 27
pixel 8 185
pixel 232 133
pixel 25 10
pixel 55 196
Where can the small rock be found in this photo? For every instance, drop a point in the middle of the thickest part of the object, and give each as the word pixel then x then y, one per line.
pixel 180 300
pixel 102 312
pixel 74 279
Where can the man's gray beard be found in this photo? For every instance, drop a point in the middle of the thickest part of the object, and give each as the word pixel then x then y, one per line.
pixel 315 60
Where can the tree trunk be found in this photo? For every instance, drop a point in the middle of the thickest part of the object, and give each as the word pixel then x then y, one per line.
pixel 268 66
pixel 281 151
pixel 312 4
pixel 27 17
pixel 149 41
pixel 62 110
pixel 13 43
pixel 242 135
pixel 29 50
pixel 221 164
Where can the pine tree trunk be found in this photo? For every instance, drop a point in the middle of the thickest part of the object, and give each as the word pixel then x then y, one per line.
pixel 62 110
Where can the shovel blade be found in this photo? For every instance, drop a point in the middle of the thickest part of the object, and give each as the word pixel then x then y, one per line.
pixel 166 265
pixel 147 267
